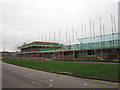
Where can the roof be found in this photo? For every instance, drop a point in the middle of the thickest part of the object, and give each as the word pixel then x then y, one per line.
pixel 44 42
pixel 38 46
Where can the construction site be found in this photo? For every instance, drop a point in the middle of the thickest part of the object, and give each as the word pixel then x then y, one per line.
pixel 105 47
pixel 95 47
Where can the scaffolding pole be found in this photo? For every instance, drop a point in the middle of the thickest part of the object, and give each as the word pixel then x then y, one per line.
pixel 73 43
pixel 101 39
pixel 94 40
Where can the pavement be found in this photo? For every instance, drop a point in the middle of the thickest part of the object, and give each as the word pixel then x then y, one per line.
pixel 19 77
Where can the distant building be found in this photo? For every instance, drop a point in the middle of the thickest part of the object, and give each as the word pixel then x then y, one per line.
pixel 7 54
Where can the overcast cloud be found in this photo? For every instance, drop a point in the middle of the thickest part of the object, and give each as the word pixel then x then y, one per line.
pixel 28 20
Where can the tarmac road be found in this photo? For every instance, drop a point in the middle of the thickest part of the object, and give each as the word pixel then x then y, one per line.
pixel 19 77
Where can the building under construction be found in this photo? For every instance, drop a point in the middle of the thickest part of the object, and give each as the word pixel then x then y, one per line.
pixel 104 47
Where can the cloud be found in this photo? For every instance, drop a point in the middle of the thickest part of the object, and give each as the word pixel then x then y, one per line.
pixel 24 20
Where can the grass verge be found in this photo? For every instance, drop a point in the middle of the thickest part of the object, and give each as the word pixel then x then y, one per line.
pixel 104 71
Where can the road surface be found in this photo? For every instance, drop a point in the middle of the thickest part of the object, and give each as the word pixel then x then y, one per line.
pixel 20 77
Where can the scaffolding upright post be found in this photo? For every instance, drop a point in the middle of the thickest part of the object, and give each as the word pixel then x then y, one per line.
pixel 66 37
pixel 82 39
pixel 115 51
pixel 85 36
pixel 83 27
pixel 69 42
pixel 50 45
pixel 91 37
pixel 76 43
pixel 73 43
pixel 53 44
pixel 113 33
pixel 112 22
pixel 42 43
pixel 45 47
pixel 63 51
pixel 58 45
pixel 59 41
pixel 94 39
pixel 101 38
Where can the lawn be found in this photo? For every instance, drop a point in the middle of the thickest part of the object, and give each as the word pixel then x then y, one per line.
pixel 106 71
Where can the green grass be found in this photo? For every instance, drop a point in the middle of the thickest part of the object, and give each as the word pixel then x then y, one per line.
pixel 106 71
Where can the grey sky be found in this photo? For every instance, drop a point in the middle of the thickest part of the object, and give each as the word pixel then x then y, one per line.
pixel 29 20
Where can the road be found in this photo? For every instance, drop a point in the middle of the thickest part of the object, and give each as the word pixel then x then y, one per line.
pixel 20 77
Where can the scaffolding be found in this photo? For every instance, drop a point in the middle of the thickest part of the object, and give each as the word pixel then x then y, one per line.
pixel 104 47
pixel 111 41
pixel 45 44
